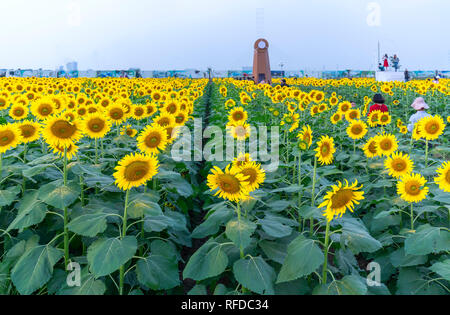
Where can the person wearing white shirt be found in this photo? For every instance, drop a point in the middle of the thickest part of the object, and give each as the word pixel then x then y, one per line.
pixel 420 106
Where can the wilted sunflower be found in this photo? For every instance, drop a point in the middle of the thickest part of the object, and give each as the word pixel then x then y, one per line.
pixel 135 170
pixel 10 137
pixel 30 130
pixel 410 188
pixel 255 173
pixel 306 135
pixel 18 112
pixel 443 178
pixel 387 144
pixel 95 125
pixel 71 150
pixel 371 148
pixel 341 198
pixel 431 127
pixel 237 115
pixel 399 164
pixel 58 131
pixel 152 139
pixel 129 131
pixel 357 129
pixel 230 184
pixel 325 150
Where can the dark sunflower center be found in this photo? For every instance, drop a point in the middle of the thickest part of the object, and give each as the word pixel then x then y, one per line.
pixel 136 171
pixel 229 183
pixel 251 173
pixel 372 147
pixel 27 131
pixel 238 116
pixel 325 149
pixel 63 129
pixel 164 122
pixel 6 137
pixel 399 165
pixel 96 124
pixel 139 111
pixel 357 129
pixel 172 108
pixel 386 144
pixel 447 177
pixel 45 109
pixel 117 114
pixel 412 188
pixel 432 128
pixel 19 112
pixel 153 140
pixel 341 198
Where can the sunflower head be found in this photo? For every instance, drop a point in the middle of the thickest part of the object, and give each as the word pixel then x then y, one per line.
pixel 357 129
pixel 237 115
pixel 431 127
pixel 325 150
pixel 96 126
pixel 371 148
pixel 152 139
pixel 399 164
pixel 230 184
pixel 342 197
pixel 306 135
pixel 387 144
pixel 135 170
pixel 30 130
pixel 411 188
pixel 443 178
pixel 10 137
pixel 254 174
pixel 59 131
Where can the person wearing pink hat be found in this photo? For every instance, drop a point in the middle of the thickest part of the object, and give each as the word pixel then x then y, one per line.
pixel 420 106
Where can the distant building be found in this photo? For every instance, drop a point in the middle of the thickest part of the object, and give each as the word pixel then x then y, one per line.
pixel 72 66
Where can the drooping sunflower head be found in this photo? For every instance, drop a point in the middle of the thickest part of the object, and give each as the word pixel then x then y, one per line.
pixel 357 129
pixel 30 130
pixel 96 126
pixel 237 115
pixel 152 139
pixel 411 188
pixel 387 144
pixel 431 127
pixel 325 150
pixel 399 164
pixel 341 198
pixel 59 131
pixel 443 178
pixel 254 173
pixel 135 170
pixel 10 137
pixel 230 184
pixel 371 147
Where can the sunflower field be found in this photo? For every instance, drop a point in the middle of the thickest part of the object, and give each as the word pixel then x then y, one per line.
pixel 93 201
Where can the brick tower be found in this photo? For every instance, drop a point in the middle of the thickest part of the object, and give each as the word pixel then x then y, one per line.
pixel 261 64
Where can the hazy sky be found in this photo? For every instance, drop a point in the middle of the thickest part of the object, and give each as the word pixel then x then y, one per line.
pixel 180 34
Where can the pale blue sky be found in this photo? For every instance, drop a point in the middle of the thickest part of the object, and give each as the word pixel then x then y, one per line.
pixel 179 34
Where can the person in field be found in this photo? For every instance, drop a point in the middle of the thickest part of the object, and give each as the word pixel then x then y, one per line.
pixel 386 62
pixel 378 99
pixel 420 106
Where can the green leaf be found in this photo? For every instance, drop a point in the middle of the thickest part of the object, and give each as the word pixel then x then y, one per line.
pixel 274 228
pixel 107 255
pixel 349 285
pixel 89 286
pixel 357 238
pixel 158 272
pixel 279 205
pixel 36 170
pixel 289 189
pixel 400 259
pixel 411 282
pixel 240 232
pixel 213 222
pixel 7 196
pixel 303 257
pixel 59 196
pixel 427 239
pixel 255 274
pixel 89 224
pixel 31 211
pixel 181 186
pixel 35 268
pixel 208 261
pixel 143 204
pixel 442 269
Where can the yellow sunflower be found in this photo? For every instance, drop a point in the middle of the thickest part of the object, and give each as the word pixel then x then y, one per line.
pixel 344 107
pixel 152 139
pixel 410 188
pixel 135 170
pixel 95 125
pixel 116 113
pixel 71 150
pixel 387 144
pixel 431 127
pixel 237 115
pixel 165 120
pixel 325 150
pixel 138 112
pixel 341 198
pixel 399 164
pixel 241 159
pixel 384 119
pixel 58 131
pixel 335 118
pixel 306 135
pixel 373 118
pixel 357 129
pixel 353 114
pixel 30 130
pixel 371 148
pixel 10 137
pixel 239 131
pixel 255 173
pixel 129 131
pixel 18 112
pixel 230 184
pixel 443 178
pixel 43 108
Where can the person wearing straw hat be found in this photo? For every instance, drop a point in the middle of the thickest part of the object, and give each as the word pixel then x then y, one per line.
pixel 420 106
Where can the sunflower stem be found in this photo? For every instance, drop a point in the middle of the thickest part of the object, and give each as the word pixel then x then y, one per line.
pixel 96 151
pixel 412 217
pixel 313 196
pixel 299 173
pixel 426 153
pixel 124 232
pixel 66 214
pixel 325 262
